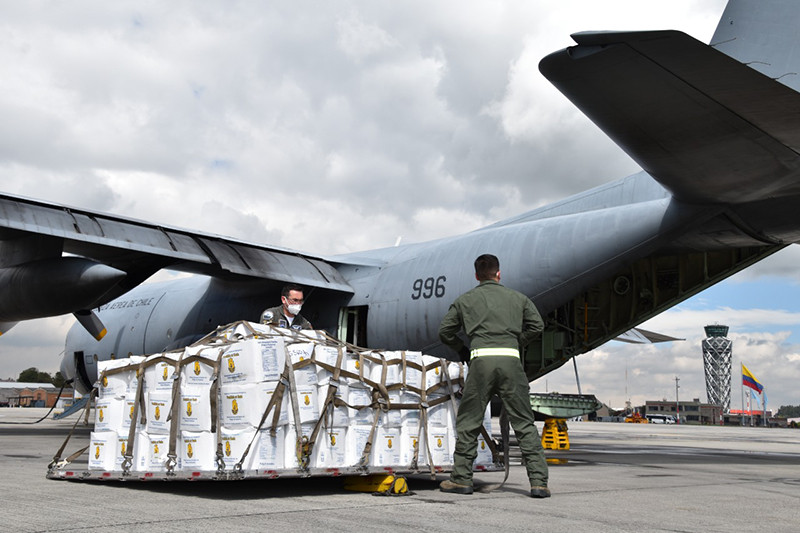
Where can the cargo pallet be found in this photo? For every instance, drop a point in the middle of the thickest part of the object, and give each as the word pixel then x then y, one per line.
pixel 67 469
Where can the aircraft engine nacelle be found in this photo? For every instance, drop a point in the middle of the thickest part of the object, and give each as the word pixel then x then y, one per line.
pixel 51 287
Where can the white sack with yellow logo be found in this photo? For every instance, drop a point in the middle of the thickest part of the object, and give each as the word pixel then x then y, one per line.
pixel 330 450
pixel 150 452
pixel 241 405
pixel 299 352
pixel 358 366
pixel 114 385
pixel 484 452
pixel 308 404
pixel 440 445
pixel 356 438
pixel 334 416
pixel 195 409
pixel 234 442
pixel 387 447
pixel 159 376
pixel 241 363
pixel 109 414
pixel 434 371
pixel 197 451
pixel 199 373
pixel 410 441
pixel 157 406
pixel 106 450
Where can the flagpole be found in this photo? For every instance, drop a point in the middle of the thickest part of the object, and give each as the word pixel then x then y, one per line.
pixel 741 381
pixel 764 405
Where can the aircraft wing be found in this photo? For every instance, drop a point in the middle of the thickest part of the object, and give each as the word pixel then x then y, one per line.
pixel 707 127
pixel 140 248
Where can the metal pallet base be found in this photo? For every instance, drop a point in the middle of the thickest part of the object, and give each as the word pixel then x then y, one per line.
pixel 229 475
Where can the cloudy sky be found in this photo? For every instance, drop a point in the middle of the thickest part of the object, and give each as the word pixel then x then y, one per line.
pixel 342 126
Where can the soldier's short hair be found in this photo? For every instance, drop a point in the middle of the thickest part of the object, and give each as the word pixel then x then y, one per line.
pixel 287 288
pixel 486 267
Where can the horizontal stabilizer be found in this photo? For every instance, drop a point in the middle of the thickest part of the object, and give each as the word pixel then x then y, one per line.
pixel 642 336
pixel 708 128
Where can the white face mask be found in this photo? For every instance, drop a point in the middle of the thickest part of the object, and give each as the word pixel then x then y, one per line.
pixel 294 308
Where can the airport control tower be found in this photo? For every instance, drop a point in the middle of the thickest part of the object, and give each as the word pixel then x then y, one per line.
pixel 717 362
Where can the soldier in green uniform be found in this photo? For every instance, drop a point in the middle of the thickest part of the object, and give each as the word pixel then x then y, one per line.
pixel 498 322
pixel 287 315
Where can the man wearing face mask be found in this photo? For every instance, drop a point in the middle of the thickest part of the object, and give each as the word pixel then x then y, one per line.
pixel 287 315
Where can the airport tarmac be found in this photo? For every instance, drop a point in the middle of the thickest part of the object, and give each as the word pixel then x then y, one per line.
pixel 615 477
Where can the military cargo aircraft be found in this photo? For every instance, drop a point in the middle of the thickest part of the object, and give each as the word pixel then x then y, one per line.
pixel 715 128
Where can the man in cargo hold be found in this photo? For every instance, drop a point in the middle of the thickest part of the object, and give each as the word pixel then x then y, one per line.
pixel 498 322
pixel 287 315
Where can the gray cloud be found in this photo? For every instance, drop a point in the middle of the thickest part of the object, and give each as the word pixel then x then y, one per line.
pixel 328 128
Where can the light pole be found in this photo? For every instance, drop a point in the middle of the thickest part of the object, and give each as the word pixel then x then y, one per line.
pixel 677 403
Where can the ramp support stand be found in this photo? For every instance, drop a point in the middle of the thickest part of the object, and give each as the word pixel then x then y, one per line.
pixel 554 434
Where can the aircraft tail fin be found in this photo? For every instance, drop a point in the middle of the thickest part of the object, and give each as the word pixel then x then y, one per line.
pixel 763 36
pixel 707 127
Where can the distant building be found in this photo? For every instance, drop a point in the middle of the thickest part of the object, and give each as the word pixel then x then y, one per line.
pixel 693 412
pixel 753 418
pixel 16 394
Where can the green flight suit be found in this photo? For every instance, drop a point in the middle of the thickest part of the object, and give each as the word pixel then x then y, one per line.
pixel 276 317
pixel 494 318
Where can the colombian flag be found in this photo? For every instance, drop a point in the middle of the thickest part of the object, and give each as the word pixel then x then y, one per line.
pixel 749 380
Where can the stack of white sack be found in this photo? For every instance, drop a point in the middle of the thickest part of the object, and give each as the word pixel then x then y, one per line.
pixel 267 399
pixel 114 411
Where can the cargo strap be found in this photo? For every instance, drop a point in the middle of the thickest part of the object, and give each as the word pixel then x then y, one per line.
pixel 301 442
pixel 504 434
pixel 275 401
pixel 127 461
pixel 56 462
pixel 364 461
pixel 424 439
pixel 329 404
pixel 127 453
pixel 174 414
